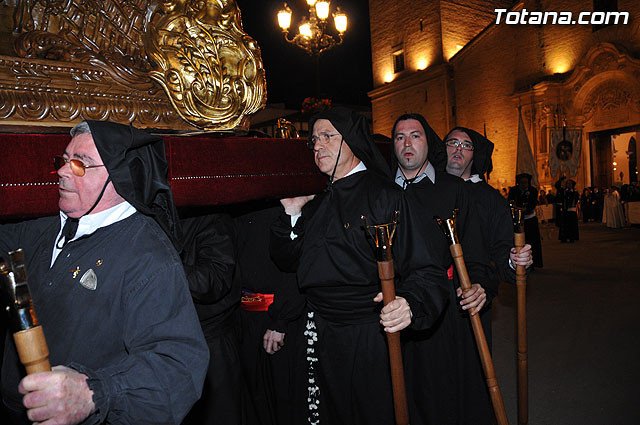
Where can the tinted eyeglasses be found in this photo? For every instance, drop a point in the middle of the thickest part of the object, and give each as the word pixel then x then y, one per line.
pixel 323 138
pixel 454 143
pixel 77 167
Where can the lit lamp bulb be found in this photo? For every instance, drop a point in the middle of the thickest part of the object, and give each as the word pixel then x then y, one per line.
pixel 322 9
pixel 422 64
pixel 284 17
pixel 340 20
pixel 305 29
pixel 311 2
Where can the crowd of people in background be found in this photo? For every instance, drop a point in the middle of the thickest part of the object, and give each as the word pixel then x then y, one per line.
pixel 609 205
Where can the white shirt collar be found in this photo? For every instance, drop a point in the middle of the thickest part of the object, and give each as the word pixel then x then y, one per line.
pixel 88 224
pixel 359 167
pixel 429 172
pixel 475 178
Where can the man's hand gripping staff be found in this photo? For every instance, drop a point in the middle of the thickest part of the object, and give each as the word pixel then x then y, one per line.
pixel 521 345
pixel 382 235
pixel 448 227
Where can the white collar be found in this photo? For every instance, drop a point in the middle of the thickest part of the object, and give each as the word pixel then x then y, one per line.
pixel 88 224
pixel 359 167
pixel 429 172
pixel 475 178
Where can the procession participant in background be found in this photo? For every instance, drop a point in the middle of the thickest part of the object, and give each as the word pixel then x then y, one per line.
pixel 110 290
pixel 337 273
pixel 434 356
pixel 272 324
pixel 613 214
pixel 598 204
pixel 208 260
pixel 444 373
pixel 525 196
pixel 568 231
pixel 469 157
pixel 586 205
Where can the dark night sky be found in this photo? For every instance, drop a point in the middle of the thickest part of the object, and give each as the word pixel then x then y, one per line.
pixel 345 70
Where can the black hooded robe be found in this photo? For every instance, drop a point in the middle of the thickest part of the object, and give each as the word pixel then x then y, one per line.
pixel 276 382
pixel 445 381
pixel 528 200
pixel 568 218
pixel 136 336
pixel 494 216
pixel 208 260
pixel 135 333
pixel 495 232
pixel 337 273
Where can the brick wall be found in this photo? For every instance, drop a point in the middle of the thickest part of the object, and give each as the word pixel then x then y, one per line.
pixel 413 24
pixel 501 61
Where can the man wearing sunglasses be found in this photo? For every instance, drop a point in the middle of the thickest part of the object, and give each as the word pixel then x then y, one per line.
pixel 109 290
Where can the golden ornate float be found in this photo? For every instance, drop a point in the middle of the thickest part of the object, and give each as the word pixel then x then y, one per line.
pixel 174 64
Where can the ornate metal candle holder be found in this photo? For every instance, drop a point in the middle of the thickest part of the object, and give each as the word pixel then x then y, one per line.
pixel 16 293
pixel 27 332
pixel 448 227
pixel 382 236
pixel 517 215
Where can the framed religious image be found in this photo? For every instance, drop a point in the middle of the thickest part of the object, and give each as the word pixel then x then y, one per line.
pixel 564 150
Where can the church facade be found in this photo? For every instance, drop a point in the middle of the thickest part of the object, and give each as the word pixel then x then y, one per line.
pixel 569 69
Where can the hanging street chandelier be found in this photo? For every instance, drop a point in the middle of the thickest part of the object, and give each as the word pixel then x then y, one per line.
pixel 312 36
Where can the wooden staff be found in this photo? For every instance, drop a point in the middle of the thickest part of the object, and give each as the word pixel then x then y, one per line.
pixel 27 333
pixel 521 344
pixel 383 238
pixel 448 226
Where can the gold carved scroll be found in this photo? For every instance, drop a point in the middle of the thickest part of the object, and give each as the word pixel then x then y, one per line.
pixel 122 60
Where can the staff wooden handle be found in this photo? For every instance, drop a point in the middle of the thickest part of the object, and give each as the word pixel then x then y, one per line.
pixel 23 323
pixel 385 271
pixel 33 350
pixel 481 340
pixel 523 375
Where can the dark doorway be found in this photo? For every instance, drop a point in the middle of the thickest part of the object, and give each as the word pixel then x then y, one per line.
pixel 601 172
pixel 610 167
pixel 633 160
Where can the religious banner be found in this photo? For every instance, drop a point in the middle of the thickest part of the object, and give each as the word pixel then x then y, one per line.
pixel 524 161
pixel 565 151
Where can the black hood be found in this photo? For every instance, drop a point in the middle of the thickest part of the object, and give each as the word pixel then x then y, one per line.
pixel 525 175
pixel 436 154
pixel 482 151
pixel 355 131
pixel 138 168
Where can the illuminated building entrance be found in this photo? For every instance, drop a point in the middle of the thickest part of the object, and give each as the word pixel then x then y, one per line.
pixel 614 156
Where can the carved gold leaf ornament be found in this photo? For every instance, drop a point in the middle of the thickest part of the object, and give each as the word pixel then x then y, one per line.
pixel 209 68
pixel 121 60
pixel 106 34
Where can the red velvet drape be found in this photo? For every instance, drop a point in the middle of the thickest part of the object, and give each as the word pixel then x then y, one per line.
pixel 202 171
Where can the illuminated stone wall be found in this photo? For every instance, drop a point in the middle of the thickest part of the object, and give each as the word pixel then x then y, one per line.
pixel 495 72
